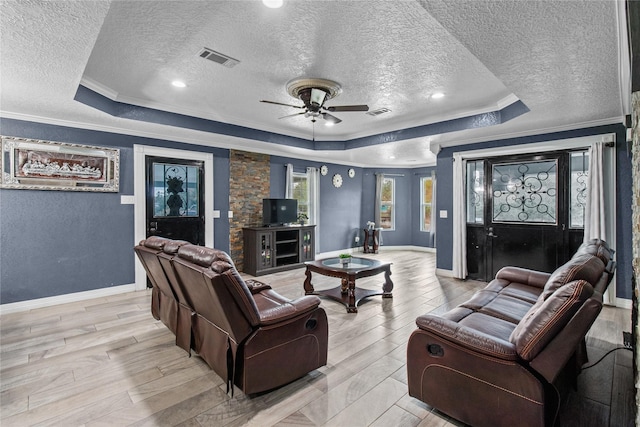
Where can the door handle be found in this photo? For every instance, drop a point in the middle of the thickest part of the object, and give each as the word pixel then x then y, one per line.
pixel 490 233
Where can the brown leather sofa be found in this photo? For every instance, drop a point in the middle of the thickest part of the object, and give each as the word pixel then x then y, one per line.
pixel 499 358
pixel 247 333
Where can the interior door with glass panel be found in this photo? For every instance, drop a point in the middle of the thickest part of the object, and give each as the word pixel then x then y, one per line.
pixel 175 199
pixel 524 211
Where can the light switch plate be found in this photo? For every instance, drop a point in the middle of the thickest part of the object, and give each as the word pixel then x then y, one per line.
pixel 216 214
pixel 444 214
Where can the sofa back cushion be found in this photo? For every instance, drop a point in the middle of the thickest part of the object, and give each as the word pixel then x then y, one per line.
pixel 596 247
pixel 547 317
pixel 204 274
pixel 582 267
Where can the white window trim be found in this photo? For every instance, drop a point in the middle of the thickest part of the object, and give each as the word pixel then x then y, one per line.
pixel 304 175
pixel 393 205
pixel 423 203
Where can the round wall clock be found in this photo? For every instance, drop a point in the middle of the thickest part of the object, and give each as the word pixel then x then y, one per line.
pixel 337 180
pixel 324 169
pixel 352 173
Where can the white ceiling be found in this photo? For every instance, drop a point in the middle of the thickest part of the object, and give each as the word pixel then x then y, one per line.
pixel 565 60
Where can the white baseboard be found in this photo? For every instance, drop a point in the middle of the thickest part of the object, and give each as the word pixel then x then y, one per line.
pixel 381 249
pixel 19 306
pixel 444 273
pixel 623 303
pixel 406 248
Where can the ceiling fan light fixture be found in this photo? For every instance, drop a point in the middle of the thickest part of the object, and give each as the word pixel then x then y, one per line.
pixel 318 96
pixel 273 4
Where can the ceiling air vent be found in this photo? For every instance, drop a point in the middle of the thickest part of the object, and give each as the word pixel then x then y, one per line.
pixel 218 58
pixel 379 111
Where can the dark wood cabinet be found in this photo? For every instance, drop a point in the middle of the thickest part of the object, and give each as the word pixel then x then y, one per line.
pixel 271 249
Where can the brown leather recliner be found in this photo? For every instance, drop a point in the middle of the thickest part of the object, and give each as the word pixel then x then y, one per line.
pixel 246 332
pixel 498 358
pixel 165 305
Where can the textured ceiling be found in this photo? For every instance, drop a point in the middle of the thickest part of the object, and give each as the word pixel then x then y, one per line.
pixel 563 60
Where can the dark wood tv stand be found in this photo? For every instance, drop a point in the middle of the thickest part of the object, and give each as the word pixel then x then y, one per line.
pixel 277 248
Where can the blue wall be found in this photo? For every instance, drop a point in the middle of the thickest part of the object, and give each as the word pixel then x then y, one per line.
pixel 444 171
pixel 59 242
pixel 340 208
pixel 55 242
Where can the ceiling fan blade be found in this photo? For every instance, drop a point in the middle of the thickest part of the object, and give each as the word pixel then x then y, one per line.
pixel 280 103
pixel 291 115
pixel 348 108
pixel 332 119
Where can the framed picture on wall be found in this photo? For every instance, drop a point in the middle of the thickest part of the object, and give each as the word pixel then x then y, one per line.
pixel 31 164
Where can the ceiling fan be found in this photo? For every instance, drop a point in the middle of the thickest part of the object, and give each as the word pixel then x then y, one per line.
pixel 314 93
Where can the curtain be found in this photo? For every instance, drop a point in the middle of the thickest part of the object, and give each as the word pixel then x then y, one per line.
pixel 459 258
pixel 433 209
pixel 594 213
pixel 313 181
pixel 288 182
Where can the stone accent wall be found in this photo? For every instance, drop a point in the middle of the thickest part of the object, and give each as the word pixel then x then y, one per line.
pixel 249 183
pixel 635 232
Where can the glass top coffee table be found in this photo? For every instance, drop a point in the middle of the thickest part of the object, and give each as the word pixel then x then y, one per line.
pixel 348 293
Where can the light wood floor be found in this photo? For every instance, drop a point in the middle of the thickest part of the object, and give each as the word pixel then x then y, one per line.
pixel 107 362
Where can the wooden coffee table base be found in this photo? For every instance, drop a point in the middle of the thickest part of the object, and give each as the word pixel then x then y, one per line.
pixel 348 293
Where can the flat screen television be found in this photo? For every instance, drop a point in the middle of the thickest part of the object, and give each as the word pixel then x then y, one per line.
pixel 279 211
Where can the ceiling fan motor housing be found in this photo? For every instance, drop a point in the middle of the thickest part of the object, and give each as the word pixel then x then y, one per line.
pixel 310 91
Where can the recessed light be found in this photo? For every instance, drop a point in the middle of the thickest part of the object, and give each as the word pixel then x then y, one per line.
pixel 273 4
pixel 178 83
pixel 437 95
pixel 392 157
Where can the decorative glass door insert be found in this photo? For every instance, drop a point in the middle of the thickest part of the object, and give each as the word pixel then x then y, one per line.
pixel 525 192
pixel 175 190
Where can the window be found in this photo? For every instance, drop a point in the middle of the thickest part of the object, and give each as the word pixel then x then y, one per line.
pixel 387 204
pixel 525 192
pixel 475 192
pixel 579 165
pixel 426 199
pixel 301 192
pixel 175 190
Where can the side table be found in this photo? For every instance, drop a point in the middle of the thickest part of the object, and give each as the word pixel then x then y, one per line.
pixel 371 241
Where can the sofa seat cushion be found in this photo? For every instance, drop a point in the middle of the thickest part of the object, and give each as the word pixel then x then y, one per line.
pixel 517 290
pixel 547 317
pixel 489 325
pixel 491 341
pixel 479 322
pixel 497 305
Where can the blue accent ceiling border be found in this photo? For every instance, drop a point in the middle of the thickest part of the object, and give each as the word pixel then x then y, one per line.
pixel 145 114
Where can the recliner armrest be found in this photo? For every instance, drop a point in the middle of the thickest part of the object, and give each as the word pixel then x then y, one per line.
pixel 289 310
pixel 524 276
pixel 467 337
pixel 256 286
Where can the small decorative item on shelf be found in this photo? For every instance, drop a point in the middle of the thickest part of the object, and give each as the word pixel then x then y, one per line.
pixel 345 259
pixel 302 217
